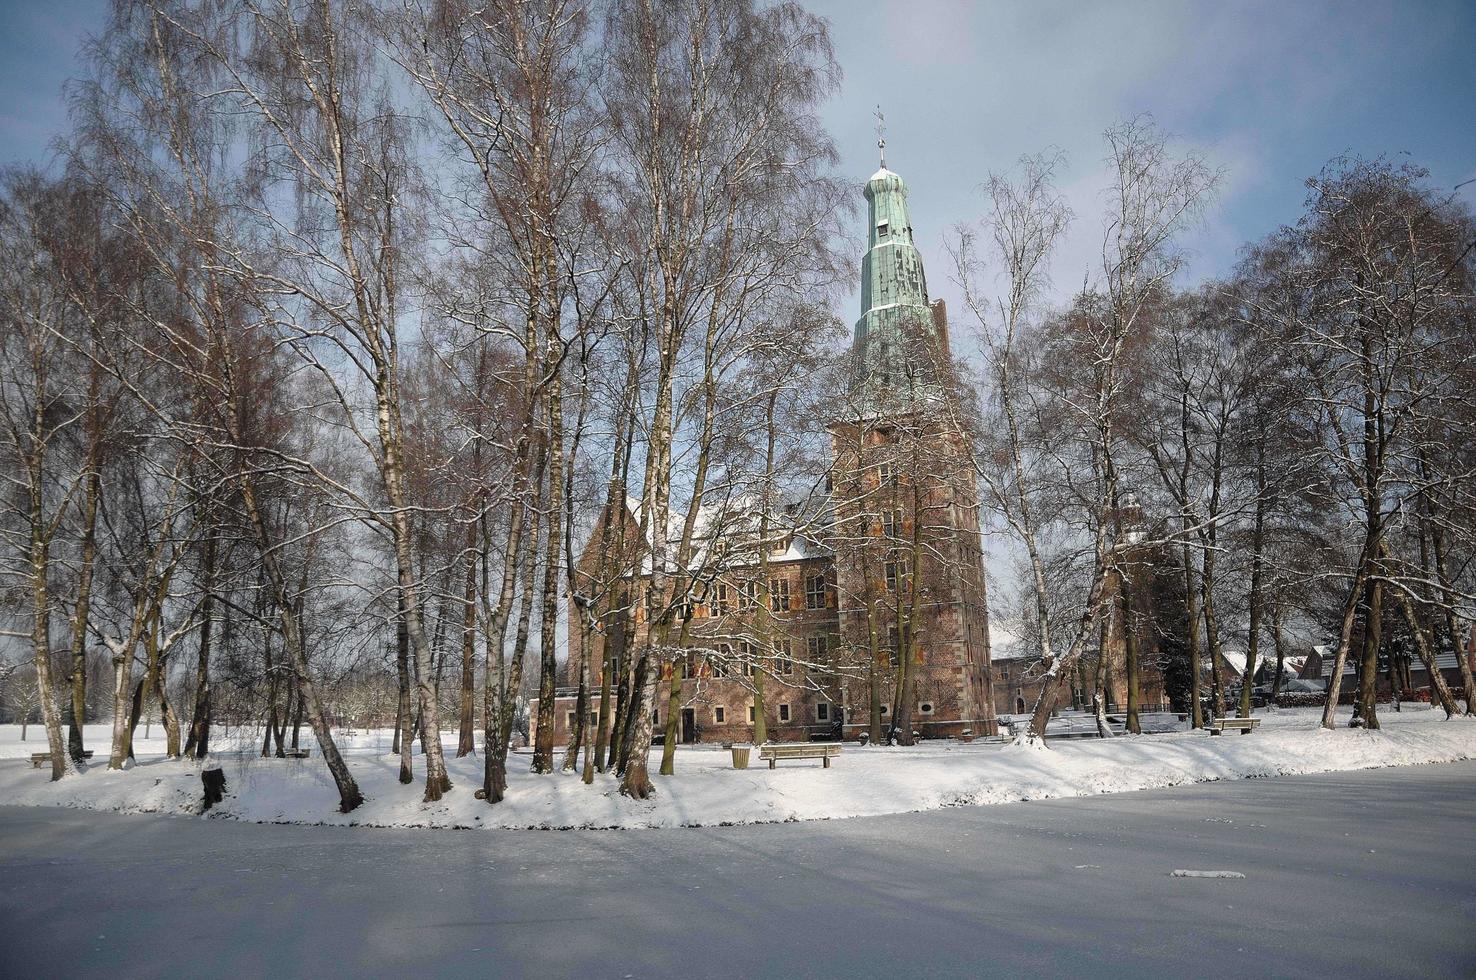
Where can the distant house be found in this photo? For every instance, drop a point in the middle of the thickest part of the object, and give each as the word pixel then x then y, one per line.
pixel 1319 664
pixel 1016 676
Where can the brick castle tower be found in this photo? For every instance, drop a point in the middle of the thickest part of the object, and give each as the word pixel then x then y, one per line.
pixel 909 559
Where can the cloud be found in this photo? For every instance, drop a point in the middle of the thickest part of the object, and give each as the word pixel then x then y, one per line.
pixel 1266 91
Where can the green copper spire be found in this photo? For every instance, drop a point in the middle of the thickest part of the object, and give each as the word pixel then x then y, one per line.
pixel 895 314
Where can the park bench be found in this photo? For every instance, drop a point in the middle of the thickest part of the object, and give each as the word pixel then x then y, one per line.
pixel 823 751
pixel 297 753
pixel 39 757
pixel 1244 725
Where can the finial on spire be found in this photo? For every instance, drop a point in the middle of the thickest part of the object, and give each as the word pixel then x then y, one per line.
pixel 881 136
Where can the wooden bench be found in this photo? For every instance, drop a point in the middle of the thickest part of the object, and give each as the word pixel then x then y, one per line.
pixel 296 753
pixel 1245 725
pixel 823 751
pixel 39 757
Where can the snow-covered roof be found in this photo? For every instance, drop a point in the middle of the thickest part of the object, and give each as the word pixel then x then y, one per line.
pixel 1235 659
pixel 1445 660
pixel 733 523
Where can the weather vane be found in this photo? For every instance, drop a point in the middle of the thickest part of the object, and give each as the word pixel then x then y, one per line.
pixel 881 136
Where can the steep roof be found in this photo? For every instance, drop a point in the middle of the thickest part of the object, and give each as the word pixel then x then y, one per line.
pixel 895 311
pixel 731 525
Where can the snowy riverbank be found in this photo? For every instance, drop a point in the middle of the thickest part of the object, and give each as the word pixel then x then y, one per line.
pixel 707 791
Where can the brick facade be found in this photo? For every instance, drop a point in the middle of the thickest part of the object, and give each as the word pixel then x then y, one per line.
pixel 895 541
pixel 812 648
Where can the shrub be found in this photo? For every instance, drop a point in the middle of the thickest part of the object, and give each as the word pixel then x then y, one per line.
pixel 1301 699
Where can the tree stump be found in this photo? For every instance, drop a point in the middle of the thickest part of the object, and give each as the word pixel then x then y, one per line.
pixel 214 780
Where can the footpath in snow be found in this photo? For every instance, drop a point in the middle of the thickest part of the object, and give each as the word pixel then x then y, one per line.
pixel 708 791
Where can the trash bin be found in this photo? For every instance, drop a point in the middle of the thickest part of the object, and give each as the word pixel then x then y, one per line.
pixel 740 756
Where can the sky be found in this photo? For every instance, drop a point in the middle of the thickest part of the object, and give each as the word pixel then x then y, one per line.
pixel 1267 92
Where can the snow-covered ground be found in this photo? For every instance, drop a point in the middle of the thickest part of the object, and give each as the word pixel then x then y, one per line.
pixel 708 791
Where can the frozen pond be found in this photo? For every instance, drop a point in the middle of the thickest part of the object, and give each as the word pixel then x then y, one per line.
pixel 1346 874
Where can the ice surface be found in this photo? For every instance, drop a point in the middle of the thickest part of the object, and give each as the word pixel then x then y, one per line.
pixel 959 892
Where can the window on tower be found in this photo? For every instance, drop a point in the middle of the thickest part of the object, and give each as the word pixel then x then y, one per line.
pixel 882 229
pixel 892 523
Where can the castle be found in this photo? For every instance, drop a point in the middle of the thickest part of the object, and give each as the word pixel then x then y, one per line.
pixel 856 611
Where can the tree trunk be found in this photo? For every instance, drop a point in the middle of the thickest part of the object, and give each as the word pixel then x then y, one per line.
pixel 672 730
pixel 1058 670
pixel 1196 664
pixel 912 654
pixel 136 708
pixel 61 761
pixel 348 789
pixel 635 668
pixel 466 743
pixel 121 751
pixel 637 781
pixel 1212 629
pixel 603 727
pixel 1130 655
pixel 543 749
pixel 1280 649
pixel 581 705
pixel 299 706
pixel 167 713
pixel 496 787
pixel 760 717
pixel 1258 541
pixel 197 745
pixel 437 782
pixel 619 721
pixel 271 712
pixel 1345 637
pixel 1426 652
pixel 1102 688
pixel 873 676
pixel 1458 644
pixel 78 678
pixel 349 796
pixel 404 718
pixel 1368 674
